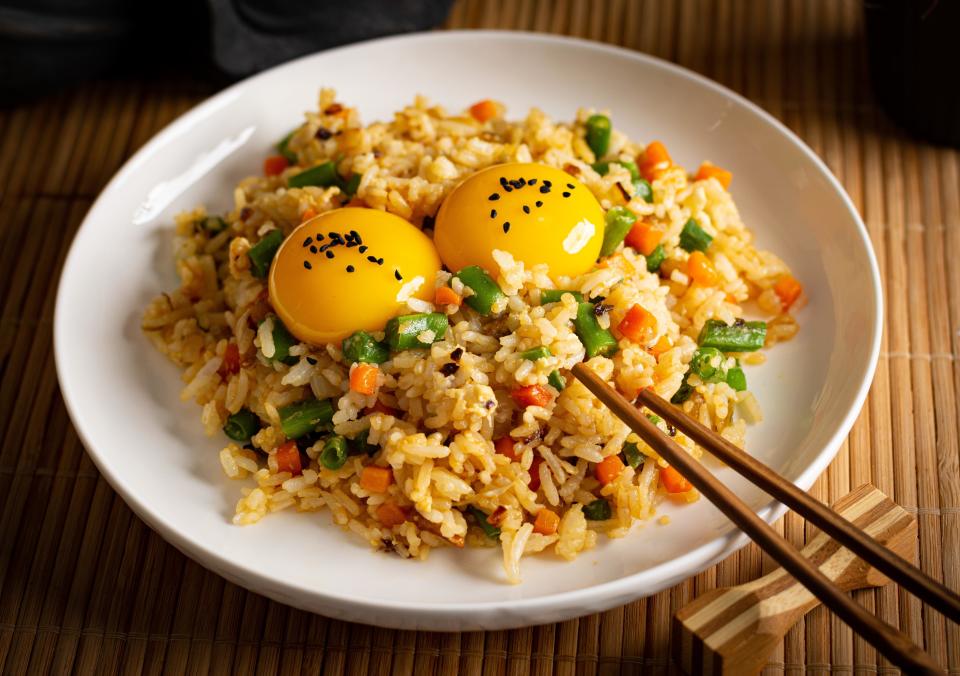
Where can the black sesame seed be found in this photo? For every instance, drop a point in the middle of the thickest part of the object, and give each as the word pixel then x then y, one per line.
pixel 494 197
pixel 739 322
pixel 350 268
pixel 503 181
pixel 329 254
pixel 526 209
pixel 319 236
pixel 544 189
pixel 547 183
pixel 566 194
pixel 671 430
pixel 313 249
pixel 522 181
pixel 396 273
pixel 307 265
pixel 601 309
pixel 507 188
pixel 372 259
pixel 538 203
pixel 311 361
pixel 323 133
pixel 489 404
pixel 493 213
pixel 449 368
pixel 506 226
pixel 456 354
pixel 307 241
pixel 363 248
pixel 380 261
pixel 532 181
pixel 570 185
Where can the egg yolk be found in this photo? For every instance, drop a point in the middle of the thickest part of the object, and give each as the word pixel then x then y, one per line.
pixel 348 270
pixel 539 214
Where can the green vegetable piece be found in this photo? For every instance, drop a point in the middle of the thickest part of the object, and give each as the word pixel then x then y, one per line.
pixel 655 259
pixel 556 381
pixel 596 340
pixel 349 186
pixel 261 254
pixel 654 418
pixel 304 417
pixel 737 379
pixel 535 353
pixel 598 134
pixel 323 175
pixel 619 221
pixel 360 346
pixel 632 168
pixel 360 446
pixel 602 168
pixel 403 331
pixel 643 189
pixel 489 529
pixel 683 392
pixel 213 224
pixel 598 510
pixel 334 453
pixel 282 342
pixel 486 293
pixel 693 237
pixel 242 425
pixel 283 147
pixel 707 362
pixel 554 295
pixel 632 455
pixel 741 336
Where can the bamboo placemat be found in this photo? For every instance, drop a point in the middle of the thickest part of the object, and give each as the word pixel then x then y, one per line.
pixel 85 586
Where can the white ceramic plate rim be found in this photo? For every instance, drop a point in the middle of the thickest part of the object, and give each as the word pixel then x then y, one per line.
pixel 654 578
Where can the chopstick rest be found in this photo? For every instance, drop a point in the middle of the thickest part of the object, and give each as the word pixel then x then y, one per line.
pixel 734 629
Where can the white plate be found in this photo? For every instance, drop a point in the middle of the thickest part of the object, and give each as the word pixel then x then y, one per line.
pixel 123 396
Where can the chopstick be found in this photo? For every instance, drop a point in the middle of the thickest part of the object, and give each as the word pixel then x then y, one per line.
pixel 894 645
pixel 887 562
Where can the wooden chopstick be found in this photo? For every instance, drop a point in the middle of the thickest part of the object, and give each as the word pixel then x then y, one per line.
pixel 894 645
pixel 883 559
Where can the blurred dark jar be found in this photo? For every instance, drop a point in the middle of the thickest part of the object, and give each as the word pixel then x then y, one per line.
pixel 914 64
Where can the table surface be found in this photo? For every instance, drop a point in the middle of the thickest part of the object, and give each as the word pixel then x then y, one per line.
pixel 86 586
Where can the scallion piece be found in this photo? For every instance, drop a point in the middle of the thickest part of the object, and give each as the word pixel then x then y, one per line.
pixel 535 353
pixel 323 175
pixel 644 190
pixel 707 363
pixel 632 455
pixel 555 295
pixel 739 337
pixel 213 225
pixel 737 379
pixel 598 134
pixel 683 392
pixel 302 418
pixel 489 529
pixel 283 147
pixel 693 237
pixel 655 259
pixel 619 221
pixel 282 342
pixel 360 346
pixel 403 332
pixel 598 510
pixel 556 381
pixel 485 294
pixel 654 418
pixel 334 453
pixel 596 340
pixel 242 425
pixel 349 186
pixel 360 446
pixel 261 254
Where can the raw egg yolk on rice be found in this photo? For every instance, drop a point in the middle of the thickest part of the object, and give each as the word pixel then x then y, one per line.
pixel 347 270
pixel 537 213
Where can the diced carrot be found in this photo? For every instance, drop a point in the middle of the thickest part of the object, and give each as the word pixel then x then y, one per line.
pixel 662 345
pixel 532 395
pixel 638 325
pixel 390 515
pixel 701 270
pixel 447 296
pixel 288 458
pixel 506 446
pixel 380 407
pixel 707 170
pixel 535 473
pixel 644 237
pixel 308 214
pixel 546 522
pixel 788 290
pixel 654 160
pixel 274 165
pixel 376 479
pixel 673 481
pixel 609 469
pixel 363 378
pixel 231 360
pixel 485 110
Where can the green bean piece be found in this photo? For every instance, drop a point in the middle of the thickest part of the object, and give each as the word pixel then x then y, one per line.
pixel 619 221
pixel 323 175
pixel 737 379
pixel 707 363
pixel 598 134
pixel 242 425
pixel 644 189
pixel 261 254
pixel 334 453
pixel 741 336
pixel 283 147
pixel 693 237
pixel 602 168
pixel 632 455
pixel 535 353
pixel 654 418
pixel 282 342
pixel 598 510
pixel 304 417
pixel 360 346
pixel 632 168
pixel 554 295
pixel 213 225
pixel 403 332
pixel 359 445
pixel 683 392
pixel 596 340
pixel 349 186
pixel 655 259
pixel 480 517
pixel 556 381
pixel 486 293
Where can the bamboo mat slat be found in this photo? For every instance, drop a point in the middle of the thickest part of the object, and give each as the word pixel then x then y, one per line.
pixel 86 587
